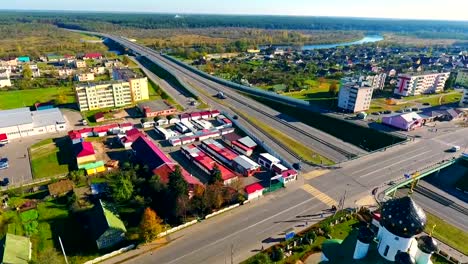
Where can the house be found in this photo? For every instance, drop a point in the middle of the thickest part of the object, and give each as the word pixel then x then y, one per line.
pixel 60 188
pixel 84 153
pixel 84 77
pixel 244 145
pixel 162 122
pixel 156 108
pixel 99 117
pixel 245 166
pixel 278 168
pixel 166 133
pixel 219 151
pixel 15 249
pixel 288 176
pixel 5 82
pixel 164 170
pixel 106 227
pixel 267 160
pixel 130 137
pixel 79 64
pixel 254 190
pixel 65 72
pixel 92 56
pixel 124 127
pixel 104 130
pixel 406 121
pixel 54 58
pixel 99 70
pixel 231 137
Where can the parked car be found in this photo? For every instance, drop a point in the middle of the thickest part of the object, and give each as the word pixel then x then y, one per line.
pixel 387 112
pixel 235 117
pixel 426 103
pixel 5 182
pixel 4 164
pixel 376 113
pixel 454 148
pixel 297 166
pixel 415 109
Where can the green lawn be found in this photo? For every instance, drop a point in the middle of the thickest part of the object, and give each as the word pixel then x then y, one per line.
pixel 379 104
pixel 447 233
pixel 51 158
pixel 316 93
pixel 22 98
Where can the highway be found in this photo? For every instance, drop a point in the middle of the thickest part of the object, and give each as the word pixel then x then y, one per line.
pixel 264 220
pixel 324 144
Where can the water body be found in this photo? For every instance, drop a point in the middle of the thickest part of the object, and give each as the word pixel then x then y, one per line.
pixel 366 39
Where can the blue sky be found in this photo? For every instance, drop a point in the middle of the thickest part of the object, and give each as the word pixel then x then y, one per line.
pixel 418 9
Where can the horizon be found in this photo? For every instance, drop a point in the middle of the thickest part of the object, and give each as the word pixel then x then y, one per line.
pixel 367 9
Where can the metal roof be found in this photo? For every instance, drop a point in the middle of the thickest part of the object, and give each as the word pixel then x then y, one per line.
pixel 248 142
pixel 246 162
pixel 15 117
pixel 47 117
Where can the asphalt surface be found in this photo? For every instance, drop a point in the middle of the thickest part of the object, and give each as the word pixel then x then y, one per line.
pixel 262 222
pixel 245 104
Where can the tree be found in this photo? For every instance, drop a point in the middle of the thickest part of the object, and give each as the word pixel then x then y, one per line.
pixel 125 60
pixel 150 225
pixel 277 254
pixel 27 72
pixel 333 89
pixel 216 175
pixel 157 118
pixel 122 187
pixel 177 184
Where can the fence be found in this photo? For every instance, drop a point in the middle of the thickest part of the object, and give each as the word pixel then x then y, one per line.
pixel 34 182
pixel 222 211
pixel 110 255
pixel 177 228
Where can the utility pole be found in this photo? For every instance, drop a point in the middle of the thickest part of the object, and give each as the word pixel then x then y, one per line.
pixel 63 250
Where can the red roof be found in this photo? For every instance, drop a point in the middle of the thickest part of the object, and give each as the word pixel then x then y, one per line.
pixel 239 145
pixel 84 149
pixel 288 173
pixel 165 169
pixel 220 149
pixel 85 130
pixel 71 134
pixel 104 128
pixel 99 115
pixel 253 188
pixel 132 135
pixel 126 125
pixel 208 163
pixel 206 113
pixel 195 114
pixel 93 55
pixel 227 121
pixel 215 112
pixel 3 136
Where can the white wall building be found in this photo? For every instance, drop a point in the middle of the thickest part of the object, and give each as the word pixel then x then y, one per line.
pixel 84 77
pixel 5 82
pixel 21 122
pixel 354 96
pixel 409 85
pixel 376 81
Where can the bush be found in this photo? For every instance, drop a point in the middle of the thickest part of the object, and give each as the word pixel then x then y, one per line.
pixel 277 254
pixel 29 215
pixel 260 258
pixel 30 228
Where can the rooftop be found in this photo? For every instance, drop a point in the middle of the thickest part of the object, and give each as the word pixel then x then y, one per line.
pixel 246 162
pixel 220 149
pixel 124 74
pixel 156 105
pixel 14 117
pixel 248 142
pixel 17 249
pixel 47 117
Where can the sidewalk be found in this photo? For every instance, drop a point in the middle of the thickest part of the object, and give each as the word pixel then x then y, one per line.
pixel 140 250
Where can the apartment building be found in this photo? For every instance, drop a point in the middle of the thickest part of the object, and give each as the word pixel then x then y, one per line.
pixel 138 83
pixel 84 77
pixel 354 96
pixel 92 96
pixel 417 84
pixel 462 78
pixel 376 81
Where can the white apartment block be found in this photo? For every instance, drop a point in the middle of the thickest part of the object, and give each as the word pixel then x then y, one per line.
pixel 377 81
pixel 464 99
pixel 84 77
pixel 92 96
pixel 462 78
pixel 355 96
pixel 408 84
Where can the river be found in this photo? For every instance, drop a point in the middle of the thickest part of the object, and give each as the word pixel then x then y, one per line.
pixel 366 39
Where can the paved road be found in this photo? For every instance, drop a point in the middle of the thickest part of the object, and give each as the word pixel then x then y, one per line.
pixel 211 88
pixel 264 220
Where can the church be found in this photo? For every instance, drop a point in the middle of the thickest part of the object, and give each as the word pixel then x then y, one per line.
pixel 393 237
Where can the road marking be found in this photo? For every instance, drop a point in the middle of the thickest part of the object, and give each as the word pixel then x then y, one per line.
pixel 315 174
pixel 319 195
pixel 404 159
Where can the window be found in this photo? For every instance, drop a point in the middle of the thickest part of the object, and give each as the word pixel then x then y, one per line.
pixel 387 248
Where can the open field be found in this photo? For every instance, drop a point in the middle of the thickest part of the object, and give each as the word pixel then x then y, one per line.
pixel 51 157
pixel 22 98
pixel 447 233
pixel 317 93
pixel 379 104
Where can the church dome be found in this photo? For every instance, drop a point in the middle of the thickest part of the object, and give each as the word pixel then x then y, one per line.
pixel 404 258
pixel 403 217
pixel 427 244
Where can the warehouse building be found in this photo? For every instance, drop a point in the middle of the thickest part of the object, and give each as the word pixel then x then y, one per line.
pixel 21 122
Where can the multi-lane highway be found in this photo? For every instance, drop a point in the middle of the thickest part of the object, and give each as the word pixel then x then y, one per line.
pixel 324 144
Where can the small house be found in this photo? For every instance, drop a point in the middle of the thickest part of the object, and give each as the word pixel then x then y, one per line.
pixel 84 153
pixel 231 137
pixel 106 227
pixel 288 176
pixel 254 190
pixel 162 122
pixel 60 188
pixel 278 168
pixel 99 117
pixel 407 121
pixel 245 166
pixel 244 145
pixel 125 127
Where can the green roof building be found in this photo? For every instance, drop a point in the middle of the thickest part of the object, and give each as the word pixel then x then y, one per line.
pixel 15 249
pixel 106 227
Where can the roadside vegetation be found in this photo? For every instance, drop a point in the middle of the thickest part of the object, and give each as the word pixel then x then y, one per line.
pixel 447 233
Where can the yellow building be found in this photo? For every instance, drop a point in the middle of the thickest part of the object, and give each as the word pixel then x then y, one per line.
pixel 138 83
pixel 92 96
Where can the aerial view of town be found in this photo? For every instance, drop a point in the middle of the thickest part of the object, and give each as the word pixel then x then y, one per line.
pixel 252 132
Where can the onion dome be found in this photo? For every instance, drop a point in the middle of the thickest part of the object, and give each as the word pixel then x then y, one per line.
pixel 365 234
pixel 404 258
pixel 427 244
pixel 403 217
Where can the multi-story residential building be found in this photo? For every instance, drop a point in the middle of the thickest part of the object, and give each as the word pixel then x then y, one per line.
pixel 462 80
pixel 92 96
pixel 377 81
pixel 409 84
pixel 84 77
pixel 354 96
pixel 65 72
pixel 138 84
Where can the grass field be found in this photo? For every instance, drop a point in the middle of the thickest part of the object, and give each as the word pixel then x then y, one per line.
pixel 379 104
pixel 447 233
pixel 22 98
pixel 50 158
pixel 317 93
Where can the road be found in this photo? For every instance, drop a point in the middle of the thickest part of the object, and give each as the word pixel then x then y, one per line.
pixel 327 145
pixel 264 220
